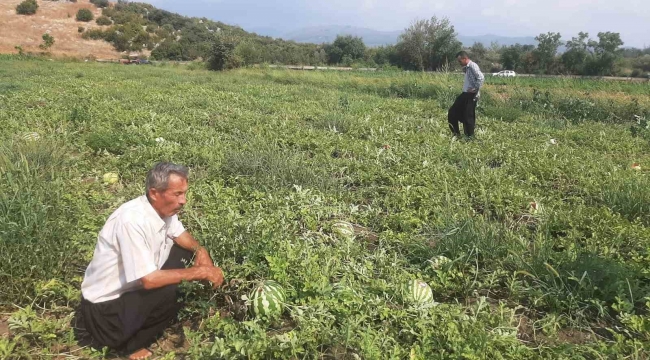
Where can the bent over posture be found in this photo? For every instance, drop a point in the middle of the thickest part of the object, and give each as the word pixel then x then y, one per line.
pixel 129 289
pixel 464 108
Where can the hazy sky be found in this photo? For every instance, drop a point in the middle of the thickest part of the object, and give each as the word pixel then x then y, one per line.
pixel 631 18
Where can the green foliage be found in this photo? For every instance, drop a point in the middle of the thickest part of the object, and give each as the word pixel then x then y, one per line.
pixel 103 20
pixel 428 45
pixel 27 7
pixel 223 55
pixel 48 41
pixel 512 57
pixel 81 29
pixel 546 49
pixel 100 3
pixel 84 15
pixel 279 157
pixel 345 47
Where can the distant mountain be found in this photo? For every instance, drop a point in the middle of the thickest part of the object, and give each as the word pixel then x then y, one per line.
pixel 327 34
pixel 501 40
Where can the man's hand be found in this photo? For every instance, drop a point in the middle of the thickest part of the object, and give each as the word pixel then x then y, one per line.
pixel 472 90
pixel 202 258
pixel 214 275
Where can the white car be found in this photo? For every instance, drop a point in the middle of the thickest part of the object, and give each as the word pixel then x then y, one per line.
pixel 505 73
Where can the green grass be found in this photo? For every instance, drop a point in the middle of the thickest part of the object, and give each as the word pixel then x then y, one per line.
pixel 277 155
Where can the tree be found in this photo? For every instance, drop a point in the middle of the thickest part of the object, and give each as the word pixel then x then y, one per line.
pixel 222 56
pixel 478 52
pixel 606 52
pixel 348 46
pixel 27 7
pixel 546 49
pixel 577 53
pixel 84 15
pixel 428 45
pixel 48 41
pixel 517 57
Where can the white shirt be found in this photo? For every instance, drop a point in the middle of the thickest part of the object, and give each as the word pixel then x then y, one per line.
pixel 134 242
pixel 474 78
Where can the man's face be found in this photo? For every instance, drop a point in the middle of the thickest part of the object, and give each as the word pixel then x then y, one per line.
pixel 171 201
pixel 463 60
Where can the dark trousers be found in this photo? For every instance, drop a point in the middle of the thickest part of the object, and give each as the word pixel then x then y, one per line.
pixel 463 111
pixel 134 320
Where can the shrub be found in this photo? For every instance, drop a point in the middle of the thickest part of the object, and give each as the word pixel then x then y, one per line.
pixel 94 34
pixel 81 29
pixel 222 56
pixel 100 3
pixel 103 20
pixel 27 7
pixel 48 41
pixel 84 15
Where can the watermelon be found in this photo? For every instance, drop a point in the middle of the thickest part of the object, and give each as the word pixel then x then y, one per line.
pixel 267 299
pixel 343 229
pixel 32 136
pixel 419 292
pixel 439 261
pixel 110 178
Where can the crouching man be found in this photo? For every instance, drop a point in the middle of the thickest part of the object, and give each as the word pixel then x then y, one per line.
pixel 129 292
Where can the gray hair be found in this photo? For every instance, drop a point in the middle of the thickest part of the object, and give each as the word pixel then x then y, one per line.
pixel 158 177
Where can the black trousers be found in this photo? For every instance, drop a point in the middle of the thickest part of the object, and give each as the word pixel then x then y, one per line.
pixel 134 320
pixel 463 111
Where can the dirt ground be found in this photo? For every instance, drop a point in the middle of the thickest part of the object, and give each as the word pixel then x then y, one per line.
pixel 56 18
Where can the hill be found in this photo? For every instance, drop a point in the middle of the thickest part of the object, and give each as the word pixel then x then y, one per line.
pixel 56 18
pixel 327 34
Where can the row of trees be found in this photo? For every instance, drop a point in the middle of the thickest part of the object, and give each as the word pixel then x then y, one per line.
pixel 582 55
pixel 426 45
pixel 432 45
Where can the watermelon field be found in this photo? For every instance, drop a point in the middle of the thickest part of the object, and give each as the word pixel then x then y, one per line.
pixel 534 237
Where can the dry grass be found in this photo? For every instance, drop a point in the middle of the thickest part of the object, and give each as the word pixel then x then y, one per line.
pixel 56 18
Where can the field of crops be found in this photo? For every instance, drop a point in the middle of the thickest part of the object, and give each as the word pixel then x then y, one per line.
pixel 545 215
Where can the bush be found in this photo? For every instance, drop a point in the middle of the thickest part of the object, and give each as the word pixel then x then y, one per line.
pixel 94 34
pixel 84 15
pixel 100 3
pixel 103 20
pixel 81 29
pixel 48 41
pixel 223 56
pixel 27 7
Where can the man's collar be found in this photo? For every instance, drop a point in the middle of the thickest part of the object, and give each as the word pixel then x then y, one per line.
pixel 151 213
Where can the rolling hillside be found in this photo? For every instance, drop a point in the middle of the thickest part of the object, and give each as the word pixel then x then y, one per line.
pixel 56 18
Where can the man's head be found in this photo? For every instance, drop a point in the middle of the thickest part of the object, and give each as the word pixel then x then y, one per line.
pixel 463 58
pixel 166 187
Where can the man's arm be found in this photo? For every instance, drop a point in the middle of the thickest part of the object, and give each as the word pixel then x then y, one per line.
pixel 478 79
pixel 187 242
pixel 161 278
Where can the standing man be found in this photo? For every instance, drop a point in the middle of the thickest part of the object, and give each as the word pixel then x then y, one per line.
pixel 129 289
pixel 464 108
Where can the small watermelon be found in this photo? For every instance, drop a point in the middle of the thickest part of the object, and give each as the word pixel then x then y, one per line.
pixel 110 178
pixel 32 136
pixel 419 292
pixel 343 229
pixel 439 261
pixel 267 299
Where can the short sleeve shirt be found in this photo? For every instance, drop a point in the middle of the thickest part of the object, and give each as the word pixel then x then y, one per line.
pixel 134 242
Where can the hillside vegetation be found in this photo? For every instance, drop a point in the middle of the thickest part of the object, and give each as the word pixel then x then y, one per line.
pixel 56 18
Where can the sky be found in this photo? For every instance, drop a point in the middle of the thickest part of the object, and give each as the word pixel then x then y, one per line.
pixel 630 18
